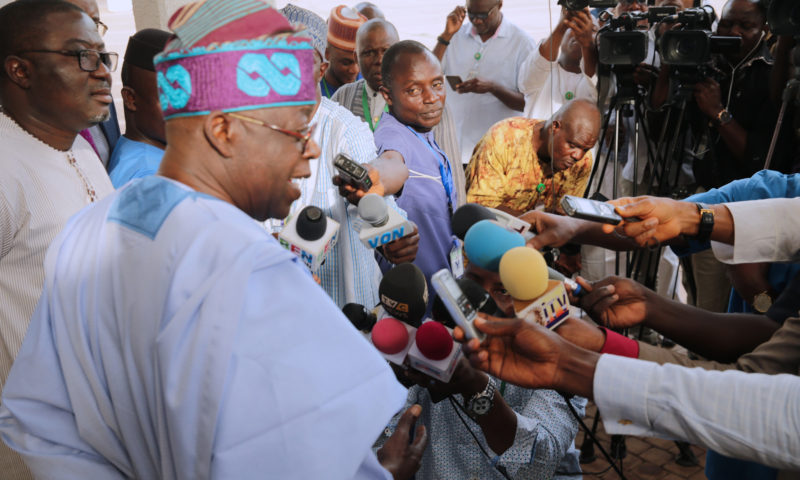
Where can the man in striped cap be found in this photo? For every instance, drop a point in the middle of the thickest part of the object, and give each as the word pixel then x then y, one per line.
pixel 175 338
pixel 341 51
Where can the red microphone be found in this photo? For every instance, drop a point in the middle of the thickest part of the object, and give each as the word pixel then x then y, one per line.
pixel 434 353
pixel 393 339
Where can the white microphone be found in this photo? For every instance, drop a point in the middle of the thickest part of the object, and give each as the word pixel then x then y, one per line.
pixel 309 235
pixel 381 224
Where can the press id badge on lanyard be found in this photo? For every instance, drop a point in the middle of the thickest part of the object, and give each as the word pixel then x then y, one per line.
pixel 457 257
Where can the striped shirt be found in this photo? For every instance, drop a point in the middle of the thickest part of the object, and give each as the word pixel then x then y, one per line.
pixel 350 272
pixel 39 191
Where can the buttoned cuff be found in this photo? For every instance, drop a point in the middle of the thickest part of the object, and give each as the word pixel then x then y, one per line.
pixel 621 393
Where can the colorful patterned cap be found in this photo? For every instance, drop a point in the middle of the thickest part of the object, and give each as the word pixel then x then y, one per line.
pixel 313 24
pixel 342 27
pixel 233 55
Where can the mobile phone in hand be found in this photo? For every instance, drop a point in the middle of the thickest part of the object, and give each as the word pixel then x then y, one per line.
pixel 453 80
pixel 592 210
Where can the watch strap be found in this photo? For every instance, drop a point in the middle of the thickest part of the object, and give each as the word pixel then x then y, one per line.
pixel 706 222
pixel 487 393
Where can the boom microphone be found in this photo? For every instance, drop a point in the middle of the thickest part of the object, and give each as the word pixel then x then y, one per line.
pixel 309 235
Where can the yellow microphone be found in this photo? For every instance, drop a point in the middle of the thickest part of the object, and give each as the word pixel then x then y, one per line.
pixel 537 299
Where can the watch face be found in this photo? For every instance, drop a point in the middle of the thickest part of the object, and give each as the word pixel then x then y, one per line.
pixel 481 406
pixel 762 302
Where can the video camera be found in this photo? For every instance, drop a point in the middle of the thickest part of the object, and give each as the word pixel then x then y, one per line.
pixel 693 44
pixel 581 4
pixel 620 43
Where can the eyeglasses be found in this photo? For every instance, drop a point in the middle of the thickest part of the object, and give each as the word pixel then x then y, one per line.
pixel 480 16
pixel 302 136
pixel 102 28
pixel 88 60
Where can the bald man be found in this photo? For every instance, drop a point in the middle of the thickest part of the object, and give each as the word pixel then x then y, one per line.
pixel 523 164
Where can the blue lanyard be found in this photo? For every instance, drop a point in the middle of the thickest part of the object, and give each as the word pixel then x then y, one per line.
pixel 444 169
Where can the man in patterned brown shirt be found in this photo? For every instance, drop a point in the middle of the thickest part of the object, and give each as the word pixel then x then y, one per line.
pixel 523 164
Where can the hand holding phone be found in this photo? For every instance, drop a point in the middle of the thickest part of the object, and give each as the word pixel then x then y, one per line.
pixel 454 80
pixel 592 210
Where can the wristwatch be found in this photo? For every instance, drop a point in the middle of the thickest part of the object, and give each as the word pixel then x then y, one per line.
pixel 724 117
pixel 762 302
pixel 479 404
pixel 706 222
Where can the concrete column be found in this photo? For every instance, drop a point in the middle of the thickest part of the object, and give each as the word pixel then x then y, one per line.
pixel 154 13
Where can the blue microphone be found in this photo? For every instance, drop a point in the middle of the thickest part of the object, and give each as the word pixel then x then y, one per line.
pixel 486 242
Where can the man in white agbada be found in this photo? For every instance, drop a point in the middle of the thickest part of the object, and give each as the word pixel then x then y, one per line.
pixel 175 338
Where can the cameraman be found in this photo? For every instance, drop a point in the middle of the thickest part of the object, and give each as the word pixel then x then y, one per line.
pixel 736 105
pixel 548 78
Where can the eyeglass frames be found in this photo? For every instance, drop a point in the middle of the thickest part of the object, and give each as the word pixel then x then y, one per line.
pixel 480 16
pixel 102 28
pixel 88 60
pixel 302 136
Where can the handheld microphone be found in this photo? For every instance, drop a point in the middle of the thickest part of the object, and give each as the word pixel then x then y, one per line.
pixel 360 317
pixel 577 290
pixel 404 293
pixel 380 224
pixel 486 242
pixel 477 296
pixel 536 298
pixel 469 214
pixel 309 235
pixel 434 353
pixel 393 339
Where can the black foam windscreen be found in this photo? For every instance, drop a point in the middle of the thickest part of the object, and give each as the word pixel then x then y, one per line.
pixel 466 216
pixel 404 293
pixel 311 223
pixel 359 316
pixel 477 296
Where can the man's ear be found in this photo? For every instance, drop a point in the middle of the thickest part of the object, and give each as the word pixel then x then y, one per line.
pixel 385 94
pixel 322 69
pixel 18 70
pixel 221 132
pixel 129 98
pixel 555 125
